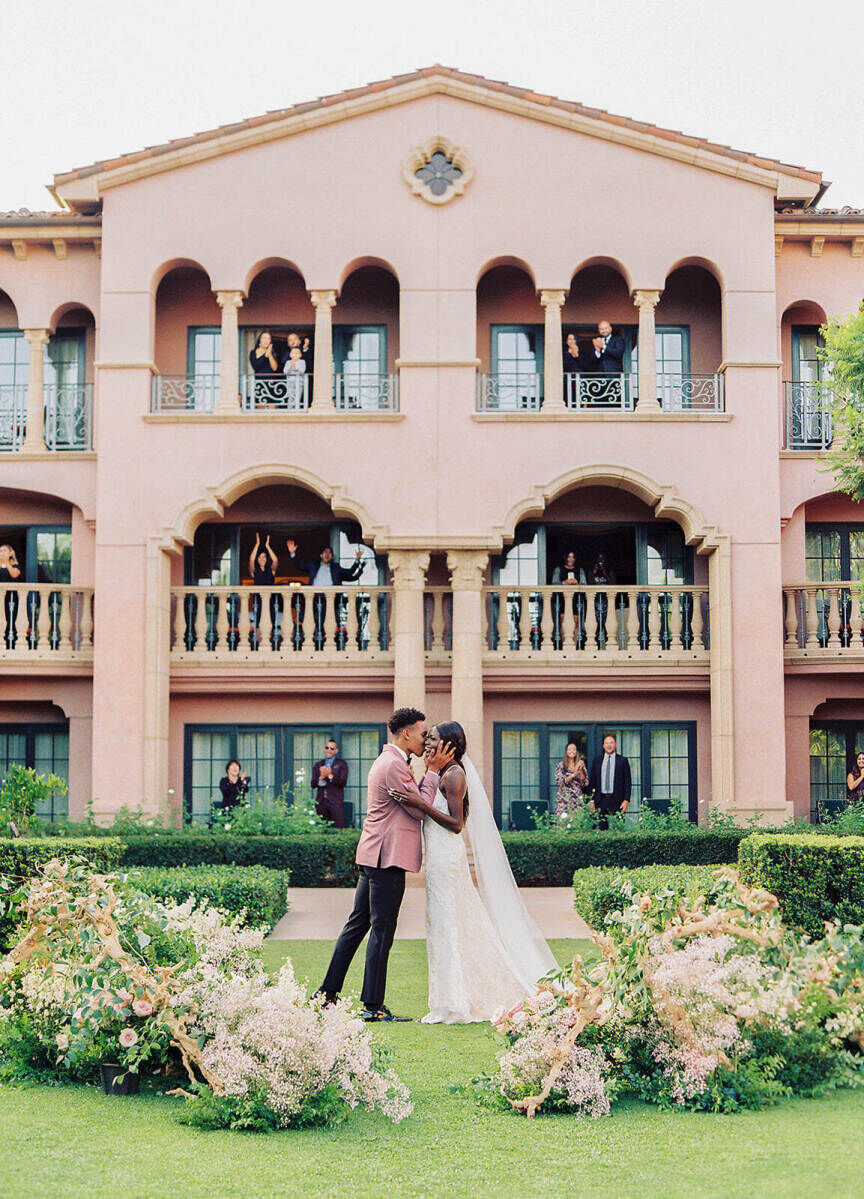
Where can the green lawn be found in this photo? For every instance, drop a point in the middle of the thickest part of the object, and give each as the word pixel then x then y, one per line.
pixel 73 1141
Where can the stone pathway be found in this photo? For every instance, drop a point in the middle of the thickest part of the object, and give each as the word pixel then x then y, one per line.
pixel 318 913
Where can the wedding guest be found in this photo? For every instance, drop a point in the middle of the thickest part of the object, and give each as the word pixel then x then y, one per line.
pixel 324 573
pixel 263 564
pixel 295 341
pixel 608 350
pixel 601 575
pixel 295 370
pixel 234 787
pixel 568 574
pixel 855 780
pixel 571 778
pixel 610 783
pixel 573 365
pixel 264 358
pixel 10 572
pixel 329 779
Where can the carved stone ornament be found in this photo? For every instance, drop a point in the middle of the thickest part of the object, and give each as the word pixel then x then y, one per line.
pixel 438 171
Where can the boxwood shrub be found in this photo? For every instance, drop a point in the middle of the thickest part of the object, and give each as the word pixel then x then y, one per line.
pixel 314 859
pixel 255 892
pixel 599 890
pixel 548 859
pixel 815 878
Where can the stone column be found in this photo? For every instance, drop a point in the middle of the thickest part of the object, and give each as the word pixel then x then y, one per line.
pixel 722 693
pixel 157 669
pixel 34 438
pixel 553 360
pixel 646 302
pixel 322 366
pixel 467 569
pixel 409 670
pixel 229 374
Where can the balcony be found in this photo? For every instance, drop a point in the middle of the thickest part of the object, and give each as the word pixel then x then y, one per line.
pixel 68 417
pixel 46 624
pixel 824 622
pixel 808 419
pixel 274 393
pixel 600 393
pixel 281 626
pixel 594 625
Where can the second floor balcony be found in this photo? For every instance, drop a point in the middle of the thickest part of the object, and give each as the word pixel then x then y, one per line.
pixel 63 421
pixel 808 422
pixel 46 624
pixel 369 391
pixel 618 392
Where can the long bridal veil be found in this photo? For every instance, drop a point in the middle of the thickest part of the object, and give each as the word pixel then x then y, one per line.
pixel 529 955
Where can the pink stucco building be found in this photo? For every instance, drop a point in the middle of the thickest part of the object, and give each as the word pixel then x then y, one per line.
pixel 435 237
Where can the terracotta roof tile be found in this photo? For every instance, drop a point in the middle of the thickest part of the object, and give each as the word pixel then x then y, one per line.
pixel 451 73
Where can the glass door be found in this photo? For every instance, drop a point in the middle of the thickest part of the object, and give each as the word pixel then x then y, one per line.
pixel 360 354
pixel 516 362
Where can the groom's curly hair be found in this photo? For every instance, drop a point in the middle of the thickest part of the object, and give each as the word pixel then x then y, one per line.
pixel 403 718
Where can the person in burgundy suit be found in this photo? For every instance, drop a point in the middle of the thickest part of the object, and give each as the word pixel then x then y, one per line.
pixel 329 779
pixel 390 843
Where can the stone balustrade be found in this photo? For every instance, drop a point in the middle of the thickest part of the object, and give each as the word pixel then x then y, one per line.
pixel 824 621
pixel 582 624
pixel 46 622
pixel 289 625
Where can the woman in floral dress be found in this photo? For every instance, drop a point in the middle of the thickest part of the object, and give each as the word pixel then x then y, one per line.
pixel 571 778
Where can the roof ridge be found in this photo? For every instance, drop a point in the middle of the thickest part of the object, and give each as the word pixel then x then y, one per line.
pixel 480 81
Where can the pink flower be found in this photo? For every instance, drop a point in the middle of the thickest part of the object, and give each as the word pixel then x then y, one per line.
pixel 128 1038
pixel 62 1041
pixel 142 1007
pixel 124 995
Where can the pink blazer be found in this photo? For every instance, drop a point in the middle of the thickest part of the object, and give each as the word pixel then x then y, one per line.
pixel 391 833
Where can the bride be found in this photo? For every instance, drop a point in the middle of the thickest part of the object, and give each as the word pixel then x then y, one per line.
pixel 484 950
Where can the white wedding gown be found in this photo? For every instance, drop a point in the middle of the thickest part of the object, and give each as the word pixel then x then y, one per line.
pixel 484 950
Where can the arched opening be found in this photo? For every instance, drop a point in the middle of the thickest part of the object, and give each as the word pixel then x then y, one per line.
pixel 689 339
pixel 366 338
pixel 599 335
pixel 317 596
pixel 278 305
pixel 823 569
pixel 807 420
pixel 14 369
pixel 510 337
pixel 603 573
pixel 69 357
pixel 187 339
pixel 34 733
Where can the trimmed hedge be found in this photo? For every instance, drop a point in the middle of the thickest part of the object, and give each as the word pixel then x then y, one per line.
pixel 815 878
pixel 256 892
pixel 544 859
pixel 599 890
pixel 313 860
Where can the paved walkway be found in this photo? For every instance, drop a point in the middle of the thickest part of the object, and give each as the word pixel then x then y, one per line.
pixel 318 913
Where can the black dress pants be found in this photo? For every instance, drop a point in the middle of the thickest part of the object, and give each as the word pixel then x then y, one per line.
pixel 376 910
pixel 606 805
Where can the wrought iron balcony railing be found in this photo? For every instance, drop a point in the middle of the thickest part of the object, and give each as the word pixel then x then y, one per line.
pixel 600 393
pixel 691 393
pixel 366 393
pixel 523 392
pixel 808 423
pixel 509 392
pixel 13 415
pixel 68 416
pixel 184 393
pixel 275 393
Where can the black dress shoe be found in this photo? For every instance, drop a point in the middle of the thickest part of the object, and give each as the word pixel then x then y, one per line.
pixel 327 997
pixel 382 1015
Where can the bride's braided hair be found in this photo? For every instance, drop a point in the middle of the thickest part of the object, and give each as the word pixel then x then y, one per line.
pixel 452 733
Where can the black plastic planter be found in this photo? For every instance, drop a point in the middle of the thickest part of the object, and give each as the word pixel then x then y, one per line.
pixel 116 1080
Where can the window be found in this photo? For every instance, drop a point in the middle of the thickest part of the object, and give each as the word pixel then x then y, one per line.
pixel 14 358
pixel 45 748
pixel 672 347
pixel 516 365
pixel 360 363
pixel 806 364
pixel 204 351
pixel 833 746
pixel 833 553
pixel 64 358
pixel 274 756
pixel 49 551
pixel 662 761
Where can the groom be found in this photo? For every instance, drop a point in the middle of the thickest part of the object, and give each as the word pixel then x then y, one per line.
pixel 390 844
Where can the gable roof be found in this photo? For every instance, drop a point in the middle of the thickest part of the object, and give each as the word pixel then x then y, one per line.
pixel 67 186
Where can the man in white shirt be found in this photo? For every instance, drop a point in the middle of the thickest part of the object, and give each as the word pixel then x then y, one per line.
pixel 324 573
